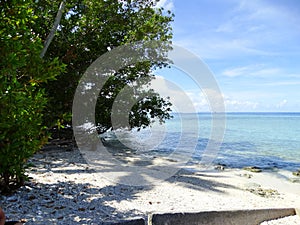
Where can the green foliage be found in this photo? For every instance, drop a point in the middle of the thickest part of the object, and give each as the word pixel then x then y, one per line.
pixel 87 29
pixel 22 101
pixel 31 94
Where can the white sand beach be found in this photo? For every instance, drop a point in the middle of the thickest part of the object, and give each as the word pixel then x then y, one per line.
pixel 64 190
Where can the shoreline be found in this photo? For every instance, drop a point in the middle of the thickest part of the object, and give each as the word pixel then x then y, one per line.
pixel 65 190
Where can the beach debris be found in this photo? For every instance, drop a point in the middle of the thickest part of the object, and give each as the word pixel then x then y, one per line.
pixel 246 175
pixel 256 189
pixel 297 173
pixel 267 193
pixel 253 169
pixel 220 167
pixel 295 180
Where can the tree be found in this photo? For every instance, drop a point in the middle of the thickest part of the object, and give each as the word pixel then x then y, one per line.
pixel 32 94
pixel 22 100
pixel 88 29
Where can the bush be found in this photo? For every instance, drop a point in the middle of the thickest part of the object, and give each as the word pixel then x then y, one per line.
pixel 21 131
pixel 22 101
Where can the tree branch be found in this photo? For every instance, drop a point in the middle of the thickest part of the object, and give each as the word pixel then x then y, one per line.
pixel 54 28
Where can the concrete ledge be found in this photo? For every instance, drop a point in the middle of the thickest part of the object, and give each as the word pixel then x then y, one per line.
pixel 297 210
pixel 128 222
pixel 235 217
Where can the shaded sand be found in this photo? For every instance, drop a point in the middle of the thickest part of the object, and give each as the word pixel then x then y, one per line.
pixel 65 190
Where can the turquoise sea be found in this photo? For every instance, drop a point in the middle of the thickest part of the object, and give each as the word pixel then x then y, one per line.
pixel 266 140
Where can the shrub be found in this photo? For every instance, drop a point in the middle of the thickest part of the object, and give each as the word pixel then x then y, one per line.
pixel 22 101
pixel 21 131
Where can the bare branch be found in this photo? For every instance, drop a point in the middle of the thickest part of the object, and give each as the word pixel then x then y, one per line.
pixel 54 28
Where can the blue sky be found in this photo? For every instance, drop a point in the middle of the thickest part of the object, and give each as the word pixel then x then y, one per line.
pixel 252 47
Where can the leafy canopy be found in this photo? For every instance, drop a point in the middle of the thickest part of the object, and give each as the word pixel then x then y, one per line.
pixel 88 29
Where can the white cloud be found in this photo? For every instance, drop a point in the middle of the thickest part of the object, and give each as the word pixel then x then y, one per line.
pixel 249 28
pixel 200 101
pixel 264 16
pixel 189 101
pixel 283 83
pixel 181 100
pixel 238 105
pixel 281 104
pixel 236 71
pixel 217 47
pixel 251 70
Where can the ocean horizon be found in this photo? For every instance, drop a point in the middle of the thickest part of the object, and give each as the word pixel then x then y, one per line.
pixel 269 140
